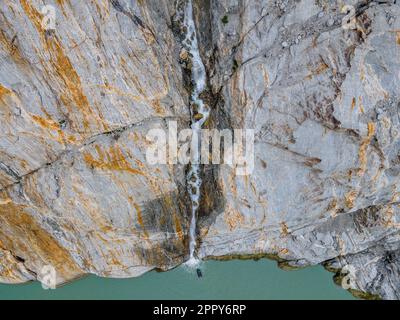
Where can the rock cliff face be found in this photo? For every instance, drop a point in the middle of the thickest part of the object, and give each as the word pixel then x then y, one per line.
pixel 76 103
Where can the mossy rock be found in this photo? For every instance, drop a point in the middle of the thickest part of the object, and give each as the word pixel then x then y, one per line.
pixel 250 256
pixel 338 278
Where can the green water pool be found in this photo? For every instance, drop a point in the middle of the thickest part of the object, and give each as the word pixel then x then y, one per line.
pixel 234 279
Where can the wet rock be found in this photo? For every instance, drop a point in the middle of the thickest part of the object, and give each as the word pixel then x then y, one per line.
pixel 184 55
pixel 198 116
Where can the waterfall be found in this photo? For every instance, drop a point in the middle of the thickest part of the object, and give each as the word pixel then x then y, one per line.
pixel 199 115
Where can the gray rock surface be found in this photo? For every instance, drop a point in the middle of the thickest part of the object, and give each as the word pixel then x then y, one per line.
pixel 76 103
pixel 324 103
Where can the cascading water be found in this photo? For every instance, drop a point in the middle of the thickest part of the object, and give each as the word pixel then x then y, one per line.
pixel 199 115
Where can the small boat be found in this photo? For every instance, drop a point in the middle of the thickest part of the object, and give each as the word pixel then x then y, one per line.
pixel 199 273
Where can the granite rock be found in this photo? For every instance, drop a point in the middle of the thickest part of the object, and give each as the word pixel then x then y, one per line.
pixel 77 102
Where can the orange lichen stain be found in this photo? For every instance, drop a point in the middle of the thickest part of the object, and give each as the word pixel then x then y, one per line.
pixel 52 125
pixel 387 217
pixel 157 107
pixel 34 16
pixel 11 267
pixel 4 104
pixel 362 73
pixel 3 92
pixel 61 2
pixel 147 93
pixel 265 76
pixel 11 48
pixel 204 232
pixel 232 184
pixel 284 229
pixel 106 228
pixel 360 105
pixel 362 152
pixel 322 67
pixel 72 94
pixel 118 92
pixel 155 185
pixel 148 36
pixel 5 179
pixel 113 159
pixel 35 243
pixel 139 217
pixel 139 163
pixel 114 260
pixel 233 218
pixel 33 192
pixel 45 123
pixel 5 201
pixel 332 206
pixel 398 37
pixel 284 251
pixel 349 198
pixel 103 8
pixel 178 227
pixel 88 203
pixel 353 103
pixel 138 84
pixel 169 203
pixel 6 97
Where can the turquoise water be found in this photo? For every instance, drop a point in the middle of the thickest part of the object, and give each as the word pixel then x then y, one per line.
pixel 221 280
